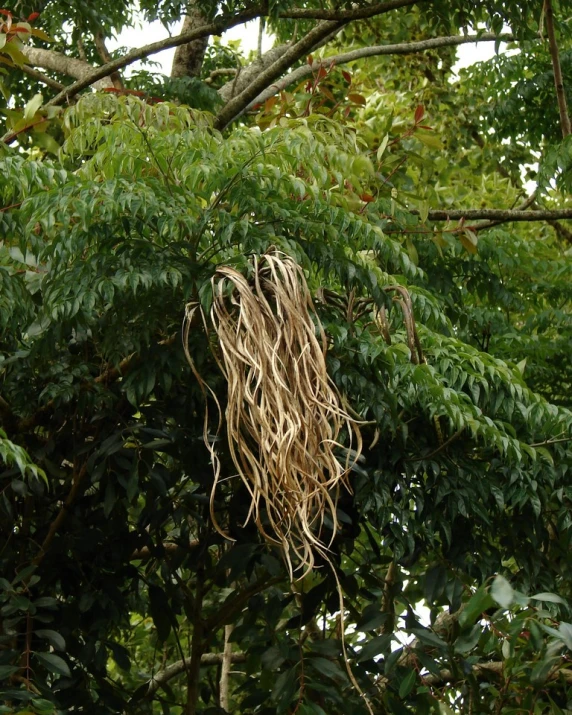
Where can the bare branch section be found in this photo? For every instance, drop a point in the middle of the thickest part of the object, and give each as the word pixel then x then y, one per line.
pixel 499 215
pixel 56 62
pixel 106 57
pixel 558 79
pixel 217 27
pixel 41 77
pixel 483 671
pixel 245 76
pixel 358 13
pixel 404 48
pixel 179 667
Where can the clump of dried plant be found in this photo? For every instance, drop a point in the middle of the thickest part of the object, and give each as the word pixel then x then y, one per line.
pixel 284 416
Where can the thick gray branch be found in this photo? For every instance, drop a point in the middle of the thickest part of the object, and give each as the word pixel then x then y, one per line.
pixel 483 671
pixel 404 48
pixel 171 671
pixel 247 75
pixel 236 106
pixel 358 13
pixel 499 215
pixel 70 66
pixel 217 27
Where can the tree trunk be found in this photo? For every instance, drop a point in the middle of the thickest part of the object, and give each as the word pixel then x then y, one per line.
pixel 188 60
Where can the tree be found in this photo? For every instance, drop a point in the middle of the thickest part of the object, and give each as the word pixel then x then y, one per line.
pixel 319 262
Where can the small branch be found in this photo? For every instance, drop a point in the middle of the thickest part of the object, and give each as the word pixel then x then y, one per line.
pixel 388 605
pixel 170 548
pixel 561 231
pixel 197 647
pixel 220 72
pixel 551 441
pixel 106 57
pixel 175 669
pixel 41 77
pixel 558 80
pixel 217 27
pixel 403 48
pixel 358 13
pixel 484 670
pixel 78 477
pixel 225 669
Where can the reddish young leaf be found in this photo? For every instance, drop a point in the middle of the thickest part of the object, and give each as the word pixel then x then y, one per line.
pixel 347 76
pixel 367 197
pixel 33 16
pixel 310 60
pixel 357 99
pixel 322 72
pixel 326 92
pixel 419 112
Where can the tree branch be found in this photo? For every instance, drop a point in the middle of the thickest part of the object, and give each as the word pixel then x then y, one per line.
pixel 217 27
pixel 106 57
pixel 558 80
pixel 404 48
pixel 41 77
pixel 180 666
pixel 56 62
pixel 484 670
pixel 246 75
pixel 499 215
pixel 235 106
pixel 225 669
pixel 358 13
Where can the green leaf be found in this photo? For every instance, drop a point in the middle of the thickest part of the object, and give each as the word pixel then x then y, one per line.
pixel 406 685
pixel 53 637
pixel 548 598
pixel 160 611
pixel 32 106
pixel 479 602
pixel 54 663
pixel 502 592
pixel 374 647
pixel 329 668
pixel 7 670
pixel 428 637
pixel 565 631
pixel 284 689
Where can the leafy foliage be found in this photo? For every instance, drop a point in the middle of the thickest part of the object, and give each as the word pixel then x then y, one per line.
pixel 450 342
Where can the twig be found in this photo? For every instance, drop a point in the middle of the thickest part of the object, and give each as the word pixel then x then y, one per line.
pixel 225 669
pixel 78 477
pixel 41 77
pixel 558 80
pixel 180 666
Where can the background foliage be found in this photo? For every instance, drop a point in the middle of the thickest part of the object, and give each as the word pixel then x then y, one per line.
pixel 450 340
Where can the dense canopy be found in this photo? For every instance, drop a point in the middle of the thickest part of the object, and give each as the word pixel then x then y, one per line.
pixel 332 279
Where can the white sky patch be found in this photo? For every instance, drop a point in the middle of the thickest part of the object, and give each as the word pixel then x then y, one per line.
pixel 144 33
